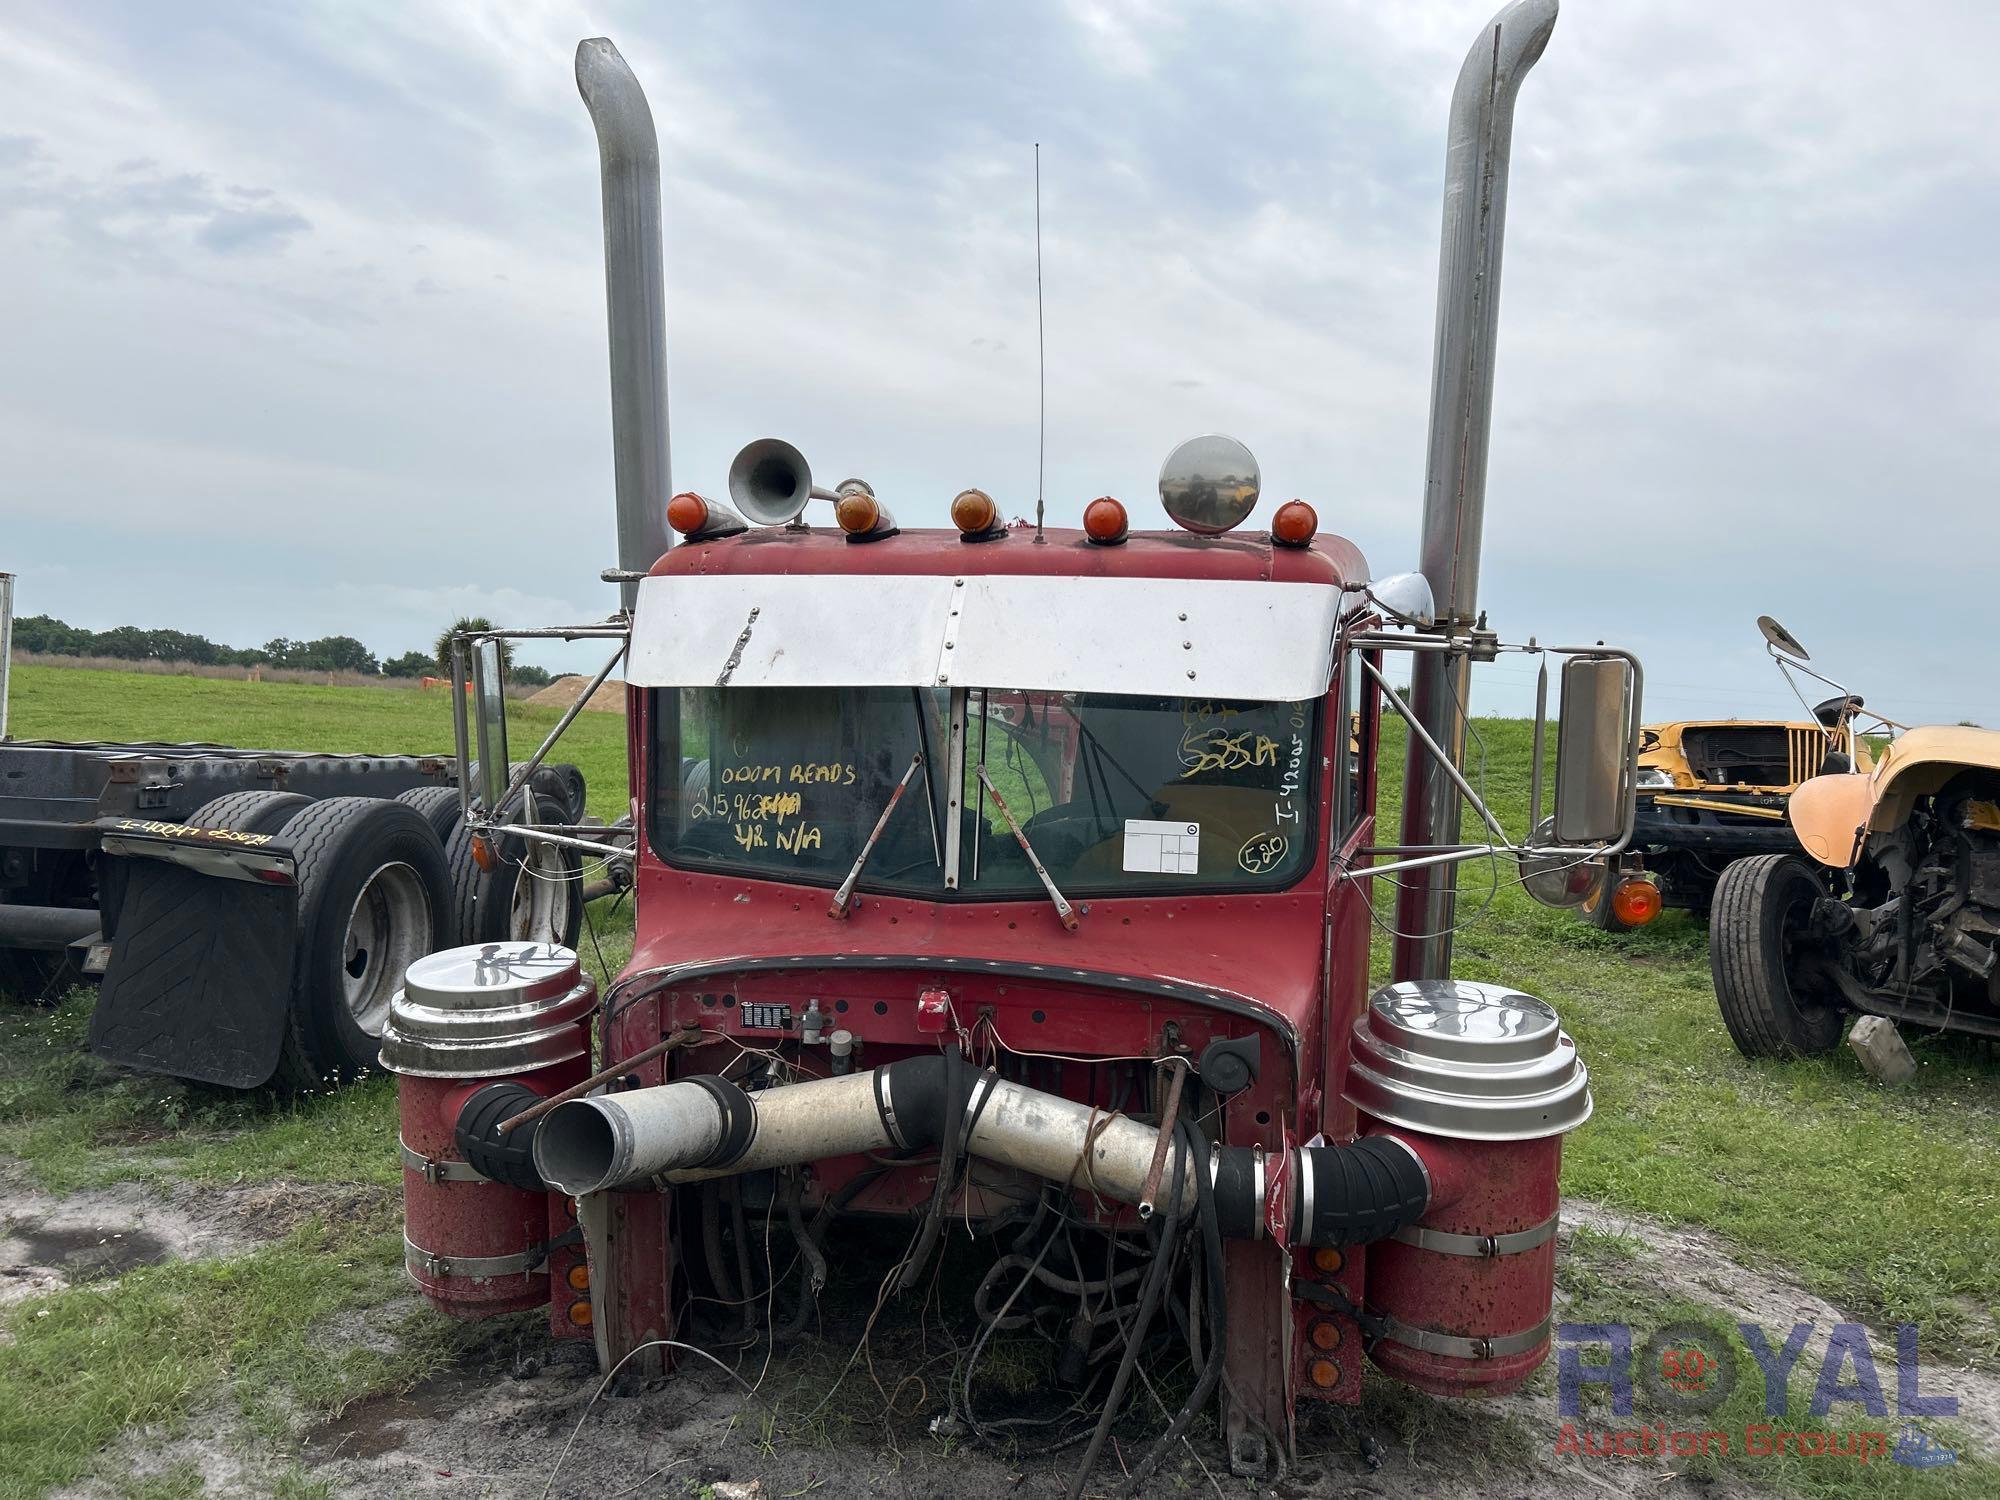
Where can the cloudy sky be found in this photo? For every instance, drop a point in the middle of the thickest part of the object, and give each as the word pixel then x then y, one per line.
pixel 303 305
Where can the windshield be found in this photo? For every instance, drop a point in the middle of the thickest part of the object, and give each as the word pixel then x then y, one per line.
pixel 1118 795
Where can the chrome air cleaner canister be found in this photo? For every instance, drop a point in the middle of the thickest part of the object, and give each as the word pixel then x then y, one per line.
pixel 477 1034
pixel 1481 1083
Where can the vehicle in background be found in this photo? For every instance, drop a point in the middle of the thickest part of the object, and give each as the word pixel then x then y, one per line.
pixel 249 912
pixel 1711 791
pixel 1892 907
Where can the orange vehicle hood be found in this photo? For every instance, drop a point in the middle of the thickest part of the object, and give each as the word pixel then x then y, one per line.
pixel 1832 814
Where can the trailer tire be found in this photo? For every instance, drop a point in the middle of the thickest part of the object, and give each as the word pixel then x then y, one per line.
pixel 249 812
pixel 374 894
pixel 562 785
pixel 1762 907
pixel 575 791
pixel 530 895
pixel 437 806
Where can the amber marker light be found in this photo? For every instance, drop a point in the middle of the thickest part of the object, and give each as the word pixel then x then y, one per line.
pixel 1294 524
pixel 1323 1373
pixel 975 515
pixel 580 1314
pixel 1325 1335
pixel 1327 1261
pixel 579 1279
pixel 863 517
pixel 1636 902
pixel 1104 521
pixel 687 512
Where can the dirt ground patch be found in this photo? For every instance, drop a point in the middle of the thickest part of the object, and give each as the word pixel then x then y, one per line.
pixel 48 1242
pixel 516 1415
pixel 608 699
pixel 1694 1265
pixel 498 1432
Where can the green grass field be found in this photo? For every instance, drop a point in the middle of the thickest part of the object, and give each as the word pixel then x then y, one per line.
pixel 1888 1204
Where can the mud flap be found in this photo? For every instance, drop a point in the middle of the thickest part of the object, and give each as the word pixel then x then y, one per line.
pixel 200 976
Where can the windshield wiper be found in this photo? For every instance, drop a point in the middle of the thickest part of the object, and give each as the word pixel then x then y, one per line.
pixel 1063 908
pixel 845 895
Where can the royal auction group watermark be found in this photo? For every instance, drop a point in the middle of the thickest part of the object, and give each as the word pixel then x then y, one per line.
pixel 1687 1372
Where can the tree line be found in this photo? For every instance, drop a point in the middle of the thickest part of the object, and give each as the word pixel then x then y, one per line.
pixel 45 635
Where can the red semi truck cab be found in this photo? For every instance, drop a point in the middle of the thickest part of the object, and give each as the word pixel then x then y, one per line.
pixel 1163 720
pixel 1023 880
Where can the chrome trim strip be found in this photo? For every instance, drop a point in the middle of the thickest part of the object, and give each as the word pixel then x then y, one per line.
pixel 1484 1246
pixel 1456 1346
pixel 1304 1226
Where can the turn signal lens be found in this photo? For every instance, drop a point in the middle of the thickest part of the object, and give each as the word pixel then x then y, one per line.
pixel 1325 1335
pixel 687 512
pixel 482 852
pixel 1328 1261
pixel 973 512
pixel 579 1280
pixel 1323 1373
pixel 580 1315
pixel 1636 901
pixel 1104 521
pixel 856 512
pixel 1294 524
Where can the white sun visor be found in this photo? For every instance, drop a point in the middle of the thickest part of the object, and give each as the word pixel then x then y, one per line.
pixel 1267 642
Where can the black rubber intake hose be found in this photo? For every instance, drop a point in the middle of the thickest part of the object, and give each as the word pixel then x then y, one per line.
pixel 510 1158
pixel 1357 1193
pixel 911 1096
pixel 1238 1192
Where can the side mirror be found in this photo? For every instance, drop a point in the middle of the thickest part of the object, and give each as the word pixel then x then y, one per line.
pixel 489 708
pixel 1780 639
pixel 1556 880
pixel 1594 784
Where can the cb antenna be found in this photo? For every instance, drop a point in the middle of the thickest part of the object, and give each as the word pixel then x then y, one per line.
pixel 1041 356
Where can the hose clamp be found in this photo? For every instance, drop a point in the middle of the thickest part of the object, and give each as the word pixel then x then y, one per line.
pixel 1304 1228
pixel 739 1120
pixel 421 1262
pixel 1258 1169
pixel 886 1108
pixel 975 1099
pixel 1457 1346
pixel 437 1169
pixel 1423 1167
pixel 1482 1246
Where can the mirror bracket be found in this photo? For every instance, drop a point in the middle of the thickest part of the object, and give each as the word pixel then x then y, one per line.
pixel 480 729
pixel 1613 701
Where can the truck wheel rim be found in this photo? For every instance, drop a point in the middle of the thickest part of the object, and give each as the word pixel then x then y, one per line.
pixel 388 929
pixel 539 912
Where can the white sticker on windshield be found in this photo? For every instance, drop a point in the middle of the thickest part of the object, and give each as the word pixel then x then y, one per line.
pixel 1162 848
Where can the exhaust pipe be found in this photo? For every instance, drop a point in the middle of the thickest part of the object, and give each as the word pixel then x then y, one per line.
pixel 1478 145
pixel 635 305
pixel 708 1127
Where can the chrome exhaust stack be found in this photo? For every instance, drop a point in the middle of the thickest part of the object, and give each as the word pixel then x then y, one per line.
pixel 1478 146
pixel 628 151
